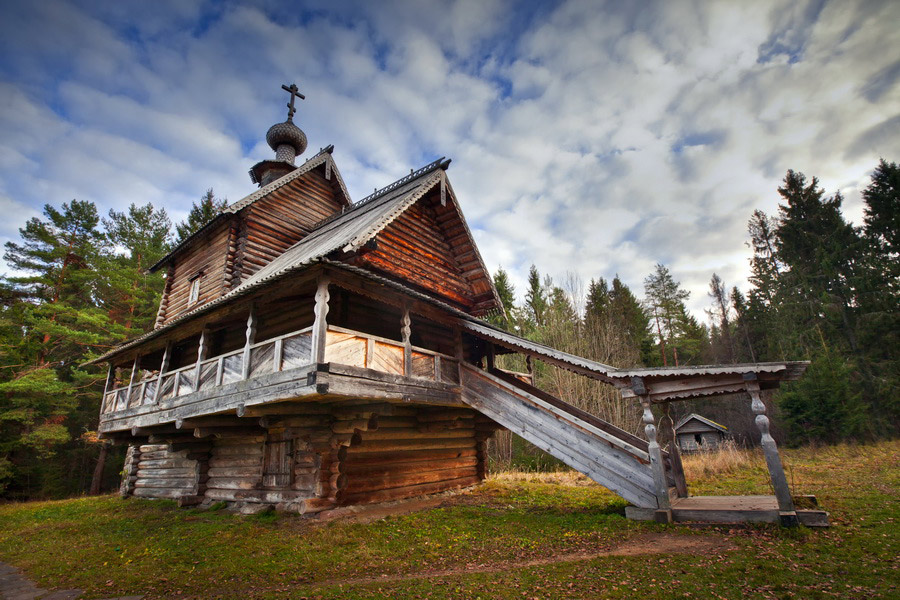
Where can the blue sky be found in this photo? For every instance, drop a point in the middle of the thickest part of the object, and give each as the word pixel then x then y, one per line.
pixel 589 138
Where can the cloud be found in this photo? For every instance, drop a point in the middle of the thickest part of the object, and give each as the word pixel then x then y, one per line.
pixel 588 137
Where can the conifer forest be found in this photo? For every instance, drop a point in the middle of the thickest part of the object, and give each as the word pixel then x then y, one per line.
pixel 821 289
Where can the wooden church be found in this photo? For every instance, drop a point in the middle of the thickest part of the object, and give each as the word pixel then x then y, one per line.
pixel 312 352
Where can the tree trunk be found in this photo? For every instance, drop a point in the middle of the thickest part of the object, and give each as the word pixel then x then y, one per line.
pixel 97 479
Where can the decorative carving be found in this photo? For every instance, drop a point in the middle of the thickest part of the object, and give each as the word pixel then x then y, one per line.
pixel 320 325
pixel 770 451
pixel 656 464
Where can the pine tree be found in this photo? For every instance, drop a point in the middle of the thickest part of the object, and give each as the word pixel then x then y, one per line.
pixel 507 293
pixel 720 315
pixel 665 300
pixel 141 237
pixel 208 209
pixel 535 297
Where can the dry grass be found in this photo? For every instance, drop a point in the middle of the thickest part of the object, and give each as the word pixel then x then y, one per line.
pixel 568 477
pixel 727 459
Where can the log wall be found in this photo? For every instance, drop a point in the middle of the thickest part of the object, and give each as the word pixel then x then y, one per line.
pixel 161 473
pixel 311 457
pixel 411 453
pixel 208 255
pixel 415 249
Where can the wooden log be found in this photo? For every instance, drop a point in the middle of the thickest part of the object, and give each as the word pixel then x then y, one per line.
pixel 295 421
pixel 447 425
pixel 230 472
pixel 192 446
pixel 445 415
pixel 407 492
pixel 235 461
pixel 395 445
pixel 233 483
pixel 162 473
pixel 237 449
pixel 415 434
pixel 167 463
pixel 268 496
pixel 356 425
pixel 314 505
pixel 188 424
pixel 393 457
pixel 370 483
pixel 364 411
pixel 168 482
pixel 402 422
pixel 170 438
pixel 247 433
pixel 384 470
pixel 147 492
pixel 288 408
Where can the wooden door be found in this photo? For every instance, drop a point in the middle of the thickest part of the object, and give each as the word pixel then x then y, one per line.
pixel 278 464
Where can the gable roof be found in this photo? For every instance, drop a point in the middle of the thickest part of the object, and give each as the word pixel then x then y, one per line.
pixel 704 420
pixel 359 223
pixel 322 159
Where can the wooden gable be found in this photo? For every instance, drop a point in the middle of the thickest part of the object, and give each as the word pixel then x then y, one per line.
pixel 250 234
pixel 430 247
pixel 283 217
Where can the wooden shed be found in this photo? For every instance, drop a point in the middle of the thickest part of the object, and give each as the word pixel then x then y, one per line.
pixel 695 433
pixel 312 352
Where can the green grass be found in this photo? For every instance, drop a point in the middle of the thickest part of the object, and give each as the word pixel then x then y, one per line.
pixel 110 547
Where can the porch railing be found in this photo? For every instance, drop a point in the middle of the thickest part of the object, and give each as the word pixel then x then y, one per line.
pixel 288 351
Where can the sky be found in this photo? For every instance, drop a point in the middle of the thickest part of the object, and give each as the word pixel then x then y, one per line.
pixel 588 138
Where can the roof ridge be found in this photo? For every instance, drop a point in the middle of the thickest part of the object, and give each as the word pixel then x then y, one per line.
pixel 443 162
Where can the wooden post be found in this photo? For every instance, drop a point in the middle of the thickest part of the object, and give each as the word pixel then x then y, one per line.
pixel 202 350
pixel 277 352
pixel 320 325
pixel 134 370
pixel 406 333
pixel 664 511
pixel 251 337
pixel 110 384
pixel 490 357
pixel 770 451
pixel 163 367
pixel 674 454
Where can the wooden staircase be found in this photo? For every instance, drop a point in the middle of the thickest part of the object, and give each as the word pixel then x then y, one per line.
pixel 610 456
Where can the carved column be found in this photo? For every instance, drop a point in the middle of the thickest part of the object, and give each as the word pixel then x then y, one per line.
pixel 664 510
pixel 202 350
pixel 320 325
pixel 406 334
pixel 770 451
pixel 251 339
pixel 674 453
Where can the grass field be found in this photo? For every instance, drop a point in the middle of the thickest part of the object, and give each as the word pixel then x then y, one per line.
pixel 517 536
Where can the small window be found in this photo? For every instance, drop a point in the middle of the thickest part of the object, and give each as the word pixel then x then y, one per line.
pixel 195 292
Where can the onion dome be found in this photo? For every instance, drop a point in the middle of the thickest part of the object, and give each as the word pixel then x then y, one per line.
pixel 287 140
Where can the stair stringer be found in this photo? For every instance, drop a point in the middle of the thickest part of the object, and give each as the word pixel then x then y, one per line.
pixel 614 464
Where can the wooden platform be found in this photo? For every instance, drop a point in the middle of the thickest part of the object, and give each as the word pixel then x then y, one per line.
pixel 730 509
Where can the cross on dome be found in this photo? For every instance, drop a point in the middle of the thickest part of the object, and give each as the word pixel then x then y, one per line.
pixel 295 92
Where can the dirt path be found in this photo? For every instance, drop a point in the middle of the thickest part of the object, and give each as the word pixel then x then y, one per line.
pixel 654 543
pixel 15 586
